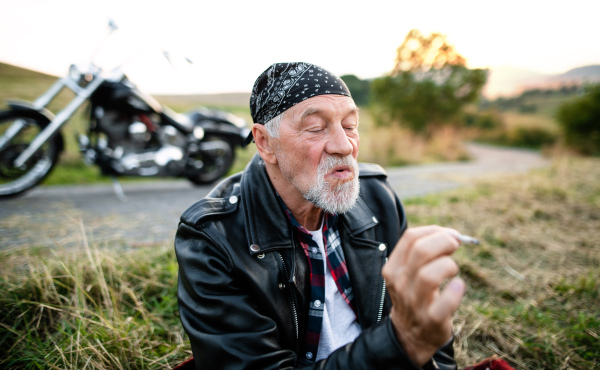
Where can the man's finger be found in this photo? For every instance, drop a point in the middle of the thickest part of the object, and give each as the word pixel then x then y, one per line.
pixel 405 244
pixel 429 248
pixel 430 277
pixel 448 300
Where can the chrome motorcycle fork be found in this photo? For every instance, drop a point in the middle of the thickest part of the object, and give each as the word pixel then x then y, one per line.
pixel 82 94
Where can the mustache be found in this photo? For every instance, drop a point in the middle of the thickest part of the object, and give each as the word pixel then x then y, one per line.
pixel 331 162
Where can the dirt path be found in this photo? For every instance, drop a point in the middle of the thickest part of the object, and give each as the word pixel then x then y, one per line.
pixel 63 215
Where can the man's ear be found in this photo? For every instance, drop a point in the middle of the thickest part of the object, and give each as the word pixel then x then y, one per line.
pixel 264 143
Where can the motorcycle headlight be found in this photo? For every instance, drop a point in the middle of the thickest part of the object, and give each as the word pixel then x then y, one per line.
pixel 74 72
pixel 81 77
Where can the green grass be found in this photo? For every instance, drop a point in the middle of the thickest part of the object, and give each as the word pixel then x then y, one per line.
pixel 533 284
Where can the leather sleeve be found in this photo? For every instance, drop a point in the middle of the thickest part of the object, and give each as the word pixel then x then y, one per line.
pixel 227 331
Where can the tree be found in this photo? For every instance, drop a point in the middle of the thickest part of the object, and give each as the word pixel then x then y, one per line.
pixel 580 121
pixel 358 88
pixel 428 86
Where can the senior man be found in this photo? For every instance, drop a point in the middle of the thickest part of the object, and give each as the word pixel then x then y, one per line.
pixel 304 258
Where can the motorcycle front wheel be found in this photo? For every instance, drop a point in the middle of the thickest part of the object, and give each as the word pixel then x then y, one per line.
pixel 212 161
pixel 16 180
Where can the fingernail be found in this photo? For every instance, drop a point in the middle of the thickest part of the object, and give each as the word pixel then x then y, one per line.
pixel 453 233
pixel 457 285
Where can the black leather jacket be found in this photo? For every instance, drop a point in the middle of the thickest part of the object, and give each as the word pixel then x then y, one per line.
pixel 244 283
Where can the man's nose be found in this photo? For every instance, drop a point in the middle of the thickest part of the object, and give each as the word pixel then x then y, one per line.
pixel 338 142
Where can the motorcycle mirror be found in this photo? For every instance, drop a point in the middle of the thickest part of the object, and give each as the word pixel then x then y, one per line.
pixel 112 25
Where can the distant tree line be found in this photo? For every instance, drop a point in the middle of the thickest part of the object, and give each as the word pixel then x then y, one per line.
pixel 360 89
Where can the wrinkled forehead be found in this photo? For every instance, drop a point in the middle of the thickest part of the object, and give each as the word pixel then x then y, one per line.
pixel 327 106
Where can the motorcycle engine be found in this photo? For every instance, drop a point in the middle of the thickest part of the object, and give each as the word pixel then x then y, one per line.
pixel 138 146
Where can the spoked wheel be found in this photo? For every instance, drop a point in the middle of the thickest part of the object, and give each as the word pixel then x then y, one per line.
pixel 212 161
pixel 22 128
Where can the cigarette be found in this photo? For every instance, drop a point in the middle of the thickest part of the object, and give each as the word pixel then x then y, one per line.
pixel 468 239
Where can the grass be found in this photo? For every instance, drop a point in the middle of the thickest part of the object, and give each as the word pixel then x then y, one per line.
pixel 90 308
pixel 533 284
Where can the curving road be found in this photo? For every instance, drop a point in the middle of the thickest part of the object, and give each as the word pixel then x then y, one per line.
pixel 63 215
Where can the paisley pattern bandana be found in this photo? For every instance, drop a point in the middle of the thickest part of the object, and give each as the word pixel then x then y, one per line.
pixel 284 85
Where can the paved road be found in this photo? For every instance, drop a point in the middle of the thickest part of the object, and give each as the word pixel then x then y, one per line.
pixel 63 215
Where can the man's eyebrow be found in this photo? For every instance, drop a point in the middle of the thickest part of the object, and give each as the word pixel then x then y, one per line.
pixel 308 112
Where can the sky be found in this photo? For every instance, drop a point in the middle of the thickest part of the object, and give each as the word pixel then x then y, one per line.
pixel 231 42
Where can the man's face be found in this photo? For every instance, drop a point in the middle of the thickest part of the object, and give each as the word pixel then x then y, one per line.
pixel 317 150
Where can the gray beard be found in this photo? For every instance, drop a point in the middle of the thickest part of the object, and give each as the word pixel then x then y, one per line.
pixel 338 199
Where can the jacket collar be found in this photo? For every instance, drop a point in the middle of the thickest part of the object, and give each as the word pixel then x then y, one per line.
pixel 266 223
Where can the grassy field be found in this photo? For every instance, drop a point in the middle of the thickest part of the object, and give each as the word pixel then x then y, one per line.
pixel 533 284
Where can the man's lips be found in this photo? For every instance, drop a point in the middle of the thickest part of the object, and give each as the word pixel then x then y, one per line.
pixel 342 172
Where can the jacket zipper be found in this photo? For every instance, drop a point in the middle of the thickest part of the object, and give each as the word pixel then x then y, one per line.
pixel 380 313
pixel 294 311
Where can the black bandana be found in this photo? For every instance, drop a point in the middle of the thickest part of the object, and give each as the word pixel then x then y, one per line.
pixel 284 85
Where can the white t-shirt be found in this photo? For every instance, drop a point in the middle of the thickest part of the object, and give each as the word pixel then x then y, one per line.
pixel 339 321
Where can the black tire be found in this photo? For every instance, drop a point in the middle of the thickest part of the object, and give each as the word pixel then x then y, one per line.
pixel 13 180
pixel 214 163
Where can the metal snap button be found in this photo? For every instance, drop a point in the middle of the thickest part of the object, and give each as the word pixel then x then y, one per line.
pixel 233 199
pixel 254 248
pixel 375 220
pixel 382 247
pixel 317 303
pixel 260 256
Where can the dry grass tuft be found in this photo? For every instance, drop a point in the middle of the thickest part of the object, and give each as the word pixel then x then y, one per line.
pixel 90 308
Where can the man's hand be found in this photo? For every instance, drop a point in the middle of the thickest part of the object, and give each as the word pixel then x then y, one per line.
pixel 421 313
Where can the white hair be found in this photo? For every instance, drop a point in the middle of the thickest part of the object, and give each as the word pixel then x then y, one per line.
pixel 273 126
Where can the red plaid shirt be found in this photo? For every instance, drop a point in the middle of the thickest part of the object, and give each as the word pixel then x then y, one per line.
pixel 334 256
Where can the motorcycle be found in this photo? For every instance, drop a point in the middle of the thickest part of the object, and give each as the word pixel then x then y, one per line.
pixel 129 133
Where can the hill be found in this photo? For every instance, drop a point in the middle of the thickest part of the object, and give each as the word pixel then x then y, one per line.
pixel 590 73
pixel 238 99
pixel 25 84
pixel 509 81
pixel 21 83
